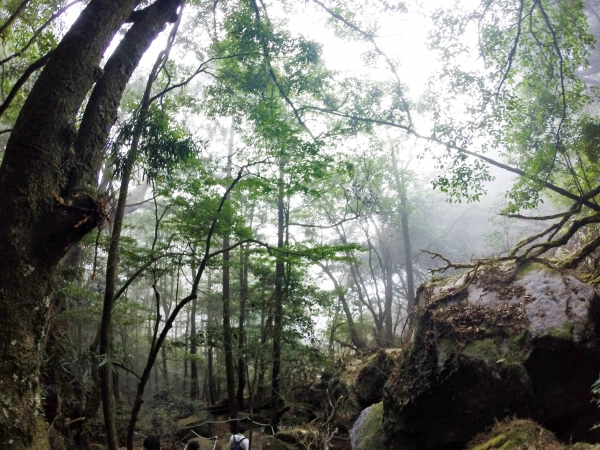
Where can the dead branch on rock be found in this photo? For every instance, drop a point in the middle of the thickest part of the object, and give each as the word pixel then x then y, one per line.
pixel 449 264
pixel 535 246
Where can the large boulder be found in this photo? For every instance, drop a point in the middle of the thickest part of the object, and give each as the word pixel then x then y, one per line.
pixel 502 340
pixel 373 375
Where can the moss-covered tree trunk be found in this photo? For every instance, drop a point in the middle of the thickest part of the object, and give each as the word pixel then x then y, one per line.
pixel 48 193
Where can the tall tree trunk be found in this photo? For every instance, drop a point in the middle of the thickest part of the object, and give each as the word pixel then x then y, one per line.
pixel 408 264
pixel 194 386
pixel 266 325
pixel 278 301
pixel 112 272
pixel 186 350
pixel 358 343
pixel 389 297
pixel 210 369
pixel 166 305
pixel 363 295
pixel 48 180
pixel 194 394
pixel 227 334
pixel 241 322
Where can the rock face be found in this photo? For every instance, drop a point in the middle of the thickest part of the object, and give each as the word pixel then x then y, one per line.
pixel 373 375
pixel 354 386
pixel 504 340
pixel 366 433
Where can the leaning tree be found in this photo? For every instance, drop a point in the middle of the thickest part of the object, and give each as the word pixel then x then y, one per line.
pixel 48 187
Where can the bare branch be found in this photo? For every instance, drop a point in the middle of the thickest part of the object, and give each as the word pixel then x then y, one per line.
pixel 575 226
pixel 581 254
pixel 540 218
pixel 121 366
pixel 325 227
pixel 449 264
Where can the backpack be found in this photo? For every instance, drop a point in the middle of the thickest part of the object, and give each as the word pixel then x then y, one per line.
pixel 235 445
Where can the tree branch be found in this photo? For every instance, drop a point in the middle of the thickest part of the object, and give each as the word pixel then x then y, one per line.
pixel 371 39
pixel 14 16
pixel 451 145
pixel 36 65
pixel 38 32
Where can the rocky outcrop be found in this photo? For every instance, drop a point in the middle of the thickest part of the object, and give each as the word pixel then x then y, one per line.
pixel 373 375
pixel 503 340
pixel 353 387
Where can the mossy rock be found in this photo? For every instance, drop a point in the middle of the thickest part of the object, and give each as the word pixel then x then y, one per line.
pixel 522 434
pixel 503 340
pixel 298 436
pixel 196 424
pixel 368 434
pixel 515 434
pixel 374 374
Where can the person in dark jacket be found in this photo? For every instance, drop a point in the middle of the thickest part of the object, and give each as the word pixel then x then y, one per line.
pixel 152 443
pixel 193 445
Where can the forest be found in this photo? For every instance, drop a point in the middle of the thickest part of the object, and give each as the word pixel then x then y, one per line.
pixel 336 225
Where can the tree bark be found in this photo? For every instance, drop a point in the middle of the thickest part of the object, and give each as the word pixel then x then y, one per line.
pixel 185 359
pixel 194 393
pixel 41 217
pixel 241 322
pixel 389 297
pixel 212 385
pixel 278 306
pixel 227 334
pixel 408 264
pixel 358 343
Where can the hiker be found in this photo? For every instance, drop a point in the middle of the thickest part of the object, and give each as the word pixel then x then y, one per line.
pixel 152 443
pixel 193 445
pixel 239 441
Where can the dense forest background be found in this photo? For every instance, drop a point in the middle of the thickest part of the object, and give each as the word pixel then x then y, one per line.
pixel 241 212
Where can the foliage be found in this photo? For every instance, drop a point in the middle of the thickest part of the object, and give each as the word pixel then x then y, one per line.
pixel 524 102
pixel 164 148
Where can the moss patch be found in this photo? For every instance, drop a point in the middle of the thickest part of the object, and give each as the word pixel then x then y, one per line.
pixel 564 332
pixel 531 266
pixel 371 434
pixel 515 434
